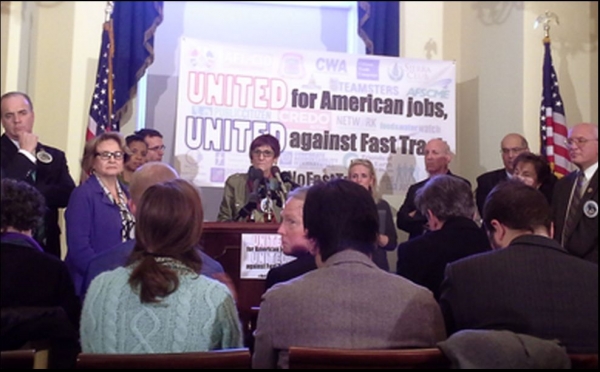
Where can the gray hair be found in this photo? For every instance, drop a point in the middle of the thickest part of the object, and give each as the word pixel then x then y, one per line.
pixel 446 196
pixel 298 194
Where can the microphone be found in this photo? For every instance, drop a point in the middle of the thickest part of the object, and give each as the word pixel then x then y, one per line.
pixel 256 176
pixel 277 173
pixel 287 177
pixel 274 187
pixel 249 207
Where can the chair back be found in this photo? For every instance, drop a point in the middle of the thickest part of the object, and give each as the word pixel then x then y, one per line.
pixel 24 359
pixel 584 361
pixel 214 359
pixel 326 358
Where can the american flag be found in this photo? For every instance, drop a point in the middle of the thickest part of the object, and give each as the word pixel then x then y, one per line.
pixel 553 124
pixel 102 117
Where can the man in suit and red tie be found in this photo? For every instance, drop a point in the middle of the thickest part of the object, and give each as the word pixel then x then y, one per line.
pixel 575 199
pixel 511 146
pixel 24 158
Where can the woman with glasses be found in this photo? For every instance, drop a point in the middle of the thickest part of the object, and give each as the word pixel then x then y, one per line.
pixel 97 216
pixel 257 195
pixel 533 170
pixel 362 171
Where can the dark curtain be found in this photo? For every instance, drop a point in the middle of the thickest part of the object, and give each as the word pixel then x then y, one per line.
pixel 379 27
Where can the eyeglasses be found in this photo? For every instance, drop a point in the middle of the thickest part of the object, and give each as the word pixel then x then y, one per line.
pixel 106 155
pixel 157 148
pixel 514 150
pixel 578 141
pixel 265 153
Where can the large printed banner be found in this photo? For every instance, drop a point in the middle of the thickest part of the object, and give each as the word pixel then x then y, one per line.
pixel 259 253
pixel 325 108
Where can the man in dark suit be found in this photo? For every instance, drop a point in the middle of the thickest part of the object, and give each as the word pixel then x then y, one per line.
pixel 294 241
pixel 24 158
pixel 576 216
pixel 448 204
pixel 511 146
pixel 437 158
pixel 530 284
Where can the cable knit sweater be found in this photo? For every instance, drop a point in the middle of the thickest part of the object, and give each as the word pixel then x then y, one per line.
pixel 199 316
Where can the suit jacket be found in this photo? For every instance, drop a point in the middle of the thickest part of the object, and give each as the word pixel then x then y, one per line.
pixel 116 257
pixel 583 242
pixel 52 180
pixel 348 303
pixel 533 287
pixel 386 227
pixel 423 259
pixel 290 270
pixel 93 225
pixel 415 225
pixel 485 183
pixel 31 278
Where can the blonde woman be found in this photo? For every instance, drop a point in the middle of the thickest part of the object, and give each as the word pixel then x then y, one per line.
pixel 362 172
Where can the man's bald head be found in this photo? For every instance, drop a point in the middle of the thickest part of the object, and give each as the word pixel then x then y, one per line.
pixel 148 175
pixel 511 146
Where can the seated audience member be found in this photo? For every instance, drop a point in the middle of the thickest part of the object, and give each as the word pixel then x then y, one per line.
pixel 511 146
pixel 529 284
pixel 147 175
pixel 348 302
pixel 534 171
pixel 154 141
pixel 159 303
pixel 97 216
pixel 30 277
pixel 576 213
pixel 362 171
pixel 241 188
pixel 437 158
pixel 448 204
pixel 135 157
pixel 294 241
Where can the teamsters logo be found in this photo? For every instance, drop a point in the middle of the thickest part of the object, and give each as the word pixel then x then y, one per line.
pixel 395 72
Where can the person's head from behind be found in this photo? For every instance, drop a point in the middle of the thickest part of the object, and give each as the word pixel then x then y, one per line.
pixel 583 145
pixel 444 197
pixel 340 215
pixel 145 176
pixel 511 146
pixel 292 231
pixel 16 113
pixel 154 140
pixel 437 156
pixel 169 226
pixel 513 209
pixel 103 155
pixel 531 169
pixel 264 153
pixel 136 152
pixel 23 207
pixel 362 172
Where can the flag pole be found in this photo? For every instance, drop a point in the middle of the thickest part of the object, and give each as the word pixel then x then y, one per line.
pixel 545 20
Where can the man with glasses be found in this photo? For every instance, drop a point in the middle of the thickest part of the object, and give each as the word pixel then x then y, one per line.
pixel 575 200
pixel 154 140
pixel 24 158
pixel 511 146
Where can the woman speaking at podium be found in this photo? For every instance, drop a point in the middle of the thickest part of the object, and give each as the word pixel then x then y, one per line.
pixel 256 196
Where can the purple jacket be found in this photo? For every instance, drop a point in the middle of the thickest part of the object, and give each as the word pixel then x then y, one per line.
pixel 93 225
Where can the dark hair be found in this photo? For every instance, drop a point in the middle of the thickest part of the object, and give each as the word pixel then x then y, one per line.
pixel 541 166
pixel 518 206
pixel 169 224
pixel 446 196
pixel 147 132
pixel 23 206
pixel 13 94
pixel 339 215
pixel 128 141
pixel 266 140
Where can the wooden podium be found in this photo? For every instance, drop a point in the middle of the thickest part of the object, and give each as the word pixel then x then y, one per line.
pixel 222 241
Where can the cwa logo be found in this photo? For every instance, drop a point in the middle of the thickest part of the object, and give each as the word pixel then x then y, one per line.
pixel 395 72
pixel 332 65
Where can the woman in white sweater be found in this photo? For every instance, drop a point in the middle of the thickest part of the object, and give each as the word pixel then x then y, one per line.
pixel 158 303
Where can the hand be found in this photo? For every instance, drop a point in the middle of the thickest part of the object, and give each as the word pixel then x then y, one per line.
pixel 28 142
pixel 226 279
pixel 382 240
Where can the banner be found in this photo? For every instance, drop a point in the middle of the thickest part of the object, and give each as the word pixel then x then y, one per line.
pixel 259 253
pixel 325 108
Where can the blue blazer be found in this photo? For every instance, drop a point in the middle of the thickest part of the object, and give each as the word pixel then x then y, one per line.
pixel 93 225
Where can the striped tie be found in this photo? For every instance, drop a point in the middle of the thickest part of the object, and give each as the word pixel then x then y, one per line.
pixel 574 207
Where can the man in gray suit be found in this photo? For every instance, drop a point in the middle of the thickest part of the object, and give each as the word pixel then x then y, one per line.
pixel 348 302
pixel 530 284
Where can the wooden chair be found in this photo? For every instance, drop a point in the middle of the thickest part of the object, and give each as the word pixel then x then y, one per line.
pixel 584 361
pixel 215 359
pixel 325 358
pixel 24 359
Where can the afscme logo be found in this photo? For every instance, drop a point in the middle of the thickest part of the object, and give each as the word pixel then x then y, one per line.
pixel 332 65
pixel 428 93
